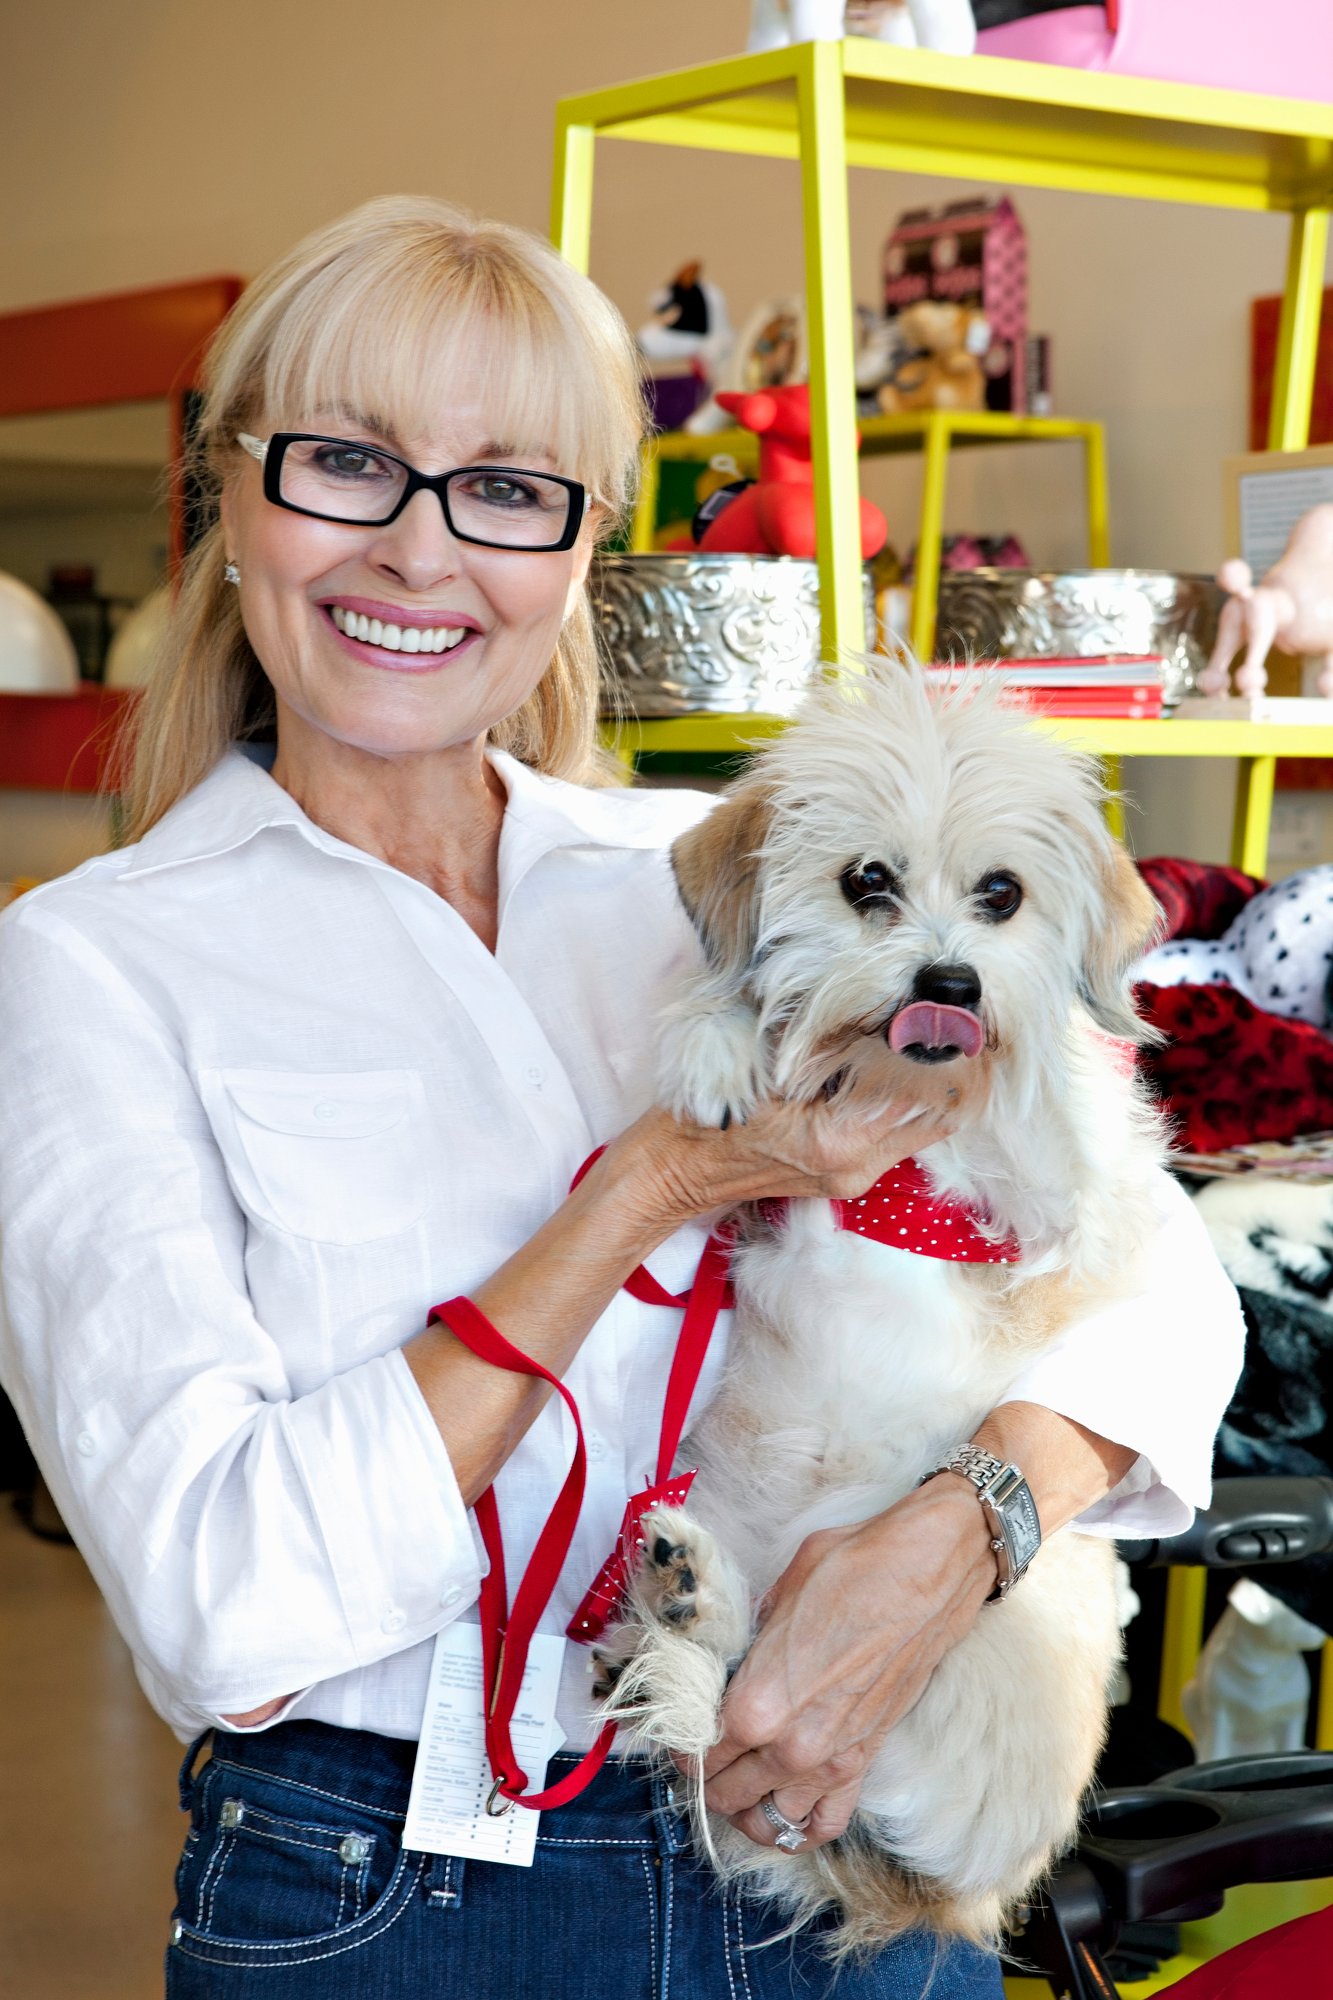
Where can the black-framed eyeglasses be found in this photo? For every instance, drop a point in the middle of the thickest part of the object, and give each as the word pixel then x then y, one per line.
pixel 496 506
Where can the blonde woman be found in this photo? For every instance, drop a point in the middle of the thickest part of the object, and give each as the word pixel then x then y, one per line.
pixel 326 1043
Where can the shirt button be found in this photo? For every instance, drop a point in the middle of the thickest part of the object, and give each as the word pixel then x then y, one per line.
pixel 535 1075
pixel 326 1110
pixel 596 1446
pixel 393 1621
pixel 85 1444
pixel 452 1594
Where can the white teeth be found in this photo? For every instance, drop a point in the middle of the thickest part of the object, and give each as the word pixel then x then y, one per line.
pixel 398 638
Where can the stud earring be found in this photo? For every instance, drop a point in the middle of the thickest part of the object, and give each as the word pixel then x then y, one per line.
pixel 230 573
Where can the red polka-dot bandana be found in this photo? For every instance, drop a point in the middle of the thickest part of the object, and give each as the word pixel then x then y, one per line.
pixel 902 1210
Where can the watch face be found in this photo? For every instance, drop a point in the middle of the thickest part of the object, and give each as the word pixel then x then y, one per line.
pixel 1019 1510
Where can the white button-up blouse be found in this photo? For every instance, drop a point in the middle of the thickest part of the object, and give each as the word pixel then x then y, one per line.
pixel 264 1101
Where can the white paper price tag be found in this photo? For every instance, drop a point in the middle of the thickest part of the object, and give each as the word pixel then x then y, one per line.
pixel 451 1782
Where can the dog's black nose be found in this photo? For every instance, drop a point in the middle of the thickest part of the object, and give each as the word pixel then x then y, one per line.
pixel 947 985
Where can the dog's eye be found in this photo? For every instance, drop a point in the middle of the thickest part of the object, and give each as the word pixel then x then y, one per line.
pixel 999 895
pixel 866 883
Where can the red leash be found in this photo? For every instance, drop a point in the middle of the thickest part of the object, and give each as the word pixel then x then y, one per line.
pixel 506 1634
pixel 900 1211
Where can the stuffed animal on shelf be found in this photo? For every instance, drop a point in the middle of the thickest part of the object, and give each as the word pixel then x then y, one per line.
pixel 1278 952
pixel 687 341
pixel 776 515
pixel 946 25
pixel 1292 608
pixel 940 368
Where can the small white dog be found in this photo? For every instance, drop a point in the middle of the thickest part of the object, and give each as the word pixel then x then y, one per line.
pixel 914 897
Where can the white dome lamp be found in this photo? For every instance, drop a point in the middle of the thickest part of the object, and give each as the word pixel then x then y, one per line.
pixel 37 655
pixel 135 648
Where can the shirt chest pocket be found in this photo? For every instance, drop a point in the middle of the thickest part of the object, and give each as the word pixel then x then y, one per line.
pixel 338 1156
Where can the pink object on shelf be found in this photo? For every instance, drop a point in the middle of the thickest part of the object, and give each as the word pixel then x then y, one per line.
pixel 1281 49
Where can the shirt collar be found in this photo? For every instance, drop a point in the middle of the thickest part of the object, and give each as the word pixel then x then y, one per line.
pixel 239 800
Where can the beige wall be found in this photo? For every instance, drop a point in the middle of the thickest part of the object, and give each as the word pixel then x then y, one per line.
pixel 144 141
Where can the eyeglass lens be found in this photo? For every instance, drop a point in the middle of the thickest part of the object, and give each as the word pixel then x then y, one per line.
pixel 352 482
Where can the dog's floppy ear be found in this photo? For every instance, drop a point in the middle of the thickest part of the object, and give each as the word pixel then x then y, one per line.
pixel 717 873
pixel 1125 921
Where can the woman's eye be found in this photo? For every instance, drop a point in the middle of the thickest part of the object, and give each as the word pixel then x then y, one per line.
pixel 498 492
pixel 869 882
pixel 999 895
pixel 345 461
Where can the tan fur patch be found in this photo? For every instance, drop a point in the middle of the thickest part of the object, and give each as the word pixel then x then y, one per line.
pixel 717 871
pixel 1130 917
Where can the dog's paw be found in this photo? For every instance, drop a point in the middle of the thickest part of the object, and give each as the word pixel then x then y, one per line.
pixel 685 1585
pixel 672 1583
pixel 711 1064
pixel 607 1668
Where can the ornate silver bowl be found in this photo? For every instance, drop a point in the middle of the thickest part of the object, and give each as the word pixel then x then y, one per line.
pixel 720 634
pixel 1006 614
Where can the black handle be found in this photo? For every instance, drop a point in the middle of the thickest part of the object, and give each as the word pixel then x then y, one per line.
pixel 1251 1521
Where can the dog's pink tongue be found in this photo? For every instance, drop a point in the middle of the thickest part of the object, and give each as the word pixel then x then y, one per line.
pixel 935 1027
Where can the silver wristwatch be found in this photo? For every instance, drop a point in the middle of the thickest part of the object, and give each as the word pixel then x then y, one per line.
pixel 1010 1510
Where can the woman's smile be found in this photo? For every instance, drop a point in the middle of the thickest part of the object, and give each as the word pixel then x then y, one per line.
pixel 395 637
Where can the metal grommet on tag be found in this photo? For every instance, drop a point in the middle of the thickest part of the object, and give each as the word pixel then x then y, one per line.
pixel 492 1811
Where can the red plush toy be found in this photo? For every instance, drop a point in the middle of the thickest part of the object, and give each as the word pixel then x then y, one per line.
pixel 776 516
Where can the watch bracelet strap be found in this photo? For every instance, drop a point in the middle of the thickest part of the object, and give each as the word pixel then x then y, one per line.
pixel 988 1474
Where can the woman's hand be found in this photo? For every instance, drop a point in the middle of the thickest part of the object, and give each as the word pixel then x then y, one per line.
pixel 851 1633
pixel 856 1625
pixel 669 1172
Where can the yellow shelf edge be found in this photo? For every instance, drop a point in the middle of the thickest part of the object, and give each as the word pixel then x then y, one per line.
pixel 964 427
pixel 1105 736
pixel 1058 86
pixel 1050 86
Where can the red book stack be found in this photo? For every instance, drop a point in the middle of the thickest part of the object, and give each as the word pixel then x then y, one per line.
pixel 1128 686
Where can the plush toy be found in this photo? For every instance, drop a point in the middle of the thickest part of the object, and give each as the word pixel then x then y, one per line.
pixel 776 515
pixel 947 25
pixel 1292 608
pixel 687 341
pixel 1278 952
pixel 940 367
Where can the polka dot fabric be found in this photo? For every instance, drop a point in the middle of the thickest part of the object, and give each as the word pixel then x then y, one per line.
pixel 902 1210
pixel 1278 953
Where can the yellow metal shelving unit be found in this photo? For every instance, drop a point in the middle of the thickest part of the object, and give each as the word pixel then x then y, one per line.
pixel 831 105
pixel 934 433
pixel 861 103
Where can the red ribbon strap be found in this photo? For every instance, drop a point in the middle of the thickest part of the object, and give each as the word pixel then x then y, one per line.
pixel 506 1635
pixel 706 1297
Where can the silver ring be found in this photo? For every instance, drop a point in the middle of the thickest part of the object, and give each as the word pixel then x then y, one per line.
pixel 790 1833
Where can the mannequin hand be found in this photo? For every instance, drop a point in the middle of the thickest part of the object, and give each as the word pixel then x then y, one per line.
pixel 851 1633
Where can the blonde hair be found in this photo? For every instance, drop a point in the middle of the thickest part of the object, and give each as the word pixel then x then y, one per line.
pixel 372 313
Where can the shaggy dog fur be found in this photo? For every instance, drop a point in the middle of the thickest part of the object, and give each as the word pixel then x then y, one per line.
pixel 855 1367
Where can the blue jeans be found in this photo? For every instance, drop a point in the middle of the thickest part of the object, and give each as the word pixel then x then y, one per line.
pixel 293 1885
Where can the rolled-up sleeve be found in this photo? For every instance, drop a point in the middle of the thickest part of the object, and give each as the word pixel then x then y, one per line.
pixel 1155 1371
pixel 249 1540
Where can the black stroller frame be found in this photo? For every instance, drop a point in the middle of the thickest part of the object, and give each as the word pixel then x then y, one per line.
pixel 1170 1849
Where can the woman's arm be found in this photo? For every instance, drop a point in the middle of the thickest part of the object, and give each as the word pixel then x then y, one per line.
pixel 823 1684
pixel 652 1179
pixel 858 1623
pixel 251 1540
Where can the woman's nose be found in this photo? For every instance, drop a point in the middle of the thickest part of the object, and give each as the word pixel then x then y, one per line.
pixel 417 548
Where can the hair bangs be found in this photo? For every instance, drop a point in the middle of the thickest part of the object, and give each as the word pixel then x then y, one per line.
pixel 394 340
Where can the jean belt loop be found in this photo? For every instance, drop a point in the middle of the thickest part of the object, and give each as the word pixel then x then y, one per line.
pixel 186 1779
